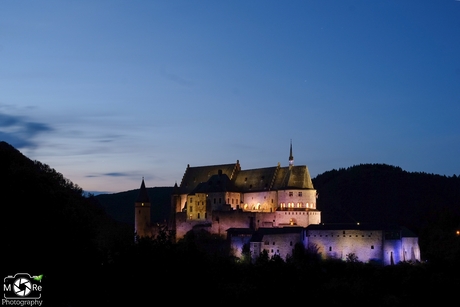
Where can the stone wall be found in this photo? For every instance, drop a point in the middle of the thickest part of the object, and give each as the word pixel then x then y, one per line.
pixel 367 245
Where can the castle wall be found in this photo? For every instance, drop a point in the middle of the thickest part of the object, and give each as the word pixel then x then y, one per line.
pixel 262 201
pixel 279 244
pixel 297 198
pixel 297 218
pixel 410 249
pixel 223 220
pixel 367 245
pixel 265 220
pixel 183 225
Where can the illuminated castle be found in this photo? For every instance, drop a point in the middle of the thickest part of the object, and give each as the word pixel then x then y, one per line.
pixel 272 209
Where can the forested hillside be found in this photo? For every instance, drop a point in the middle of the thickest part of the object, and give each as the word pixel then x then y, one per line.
pixel 87 257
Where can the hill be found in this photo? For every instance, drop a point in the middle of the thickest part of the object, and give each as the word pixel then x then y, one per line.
pixel 121 205
pixel 380 193
pixel 49 227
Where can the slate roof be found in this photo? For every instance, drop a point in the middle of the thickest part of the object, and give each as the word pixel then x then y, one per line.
pixel 251 180
pixel 193 176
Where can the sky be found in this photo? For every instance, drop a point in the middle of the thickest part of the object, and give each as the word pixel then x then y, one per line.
pixel 110 92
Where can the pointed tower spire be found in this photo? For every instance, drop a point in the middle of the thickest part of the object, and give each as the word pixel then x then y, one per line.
pixel 291 158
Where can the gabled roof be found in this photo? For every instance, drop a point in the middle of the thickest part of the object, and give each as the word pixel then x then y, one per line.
pixel 216 183
pixel 252 180
pixel 259 179
pixel 198 174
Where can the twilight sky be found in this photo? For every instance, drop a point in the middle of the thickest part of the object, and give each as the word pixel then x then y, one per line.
pixel 108 92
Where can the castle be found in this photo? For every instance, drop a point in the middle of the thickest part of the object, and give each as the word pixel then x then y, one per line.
pixel 271 209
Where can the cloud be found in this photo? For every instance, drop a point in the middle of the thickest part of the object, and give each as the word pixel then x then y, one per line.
pixel 21 132
pixel 111 174
pixel 116 174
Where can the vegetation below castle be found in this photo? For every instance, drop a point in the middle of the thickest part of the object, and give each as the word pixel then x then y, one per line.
pixel 50 227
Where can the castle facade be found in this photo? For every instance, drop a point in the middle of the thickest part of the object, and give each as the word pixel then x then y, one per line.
pixel 272 209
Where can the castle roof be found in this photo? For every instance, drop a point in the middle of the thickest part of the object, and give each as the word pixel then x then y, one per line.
pixel 216 183
pixel 230 177
pixel 143 196
pixel 193 176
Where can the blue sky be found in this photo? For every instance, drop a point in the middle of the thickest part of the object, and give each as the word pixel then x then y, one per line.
pixel 108 92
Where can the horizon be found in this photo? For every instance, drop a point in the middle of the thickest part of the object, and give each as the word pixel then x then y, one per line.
pixel 108 93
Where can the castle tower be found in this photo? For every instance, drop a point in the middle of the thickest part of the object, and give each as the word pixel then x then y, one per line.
pixel 175 207
pixel 291 157
pixel 142 213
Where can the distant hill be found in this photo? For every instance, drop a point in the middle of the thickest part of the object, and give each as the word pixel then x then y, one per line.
pixel 380 193
pixel 121 205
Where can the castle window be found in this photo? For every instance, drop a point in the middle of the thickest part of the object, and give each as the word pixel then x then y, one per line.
pixel 191 199
pixel 290 243
pixel 220 200
pixel 198 214
pixel 300 193
pixel 291 193
pixel 273 243
pixel 330 248
pixel 372 246
pixel 191 208
pixel 267 243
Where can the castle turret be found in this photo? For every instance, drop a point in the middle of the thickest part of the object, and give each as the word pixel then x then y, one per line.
pixel 142 213
pixel 291 157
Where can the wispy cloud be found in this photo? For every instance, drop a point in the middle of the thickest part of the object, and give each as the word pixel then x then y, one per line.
pixel 20 132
